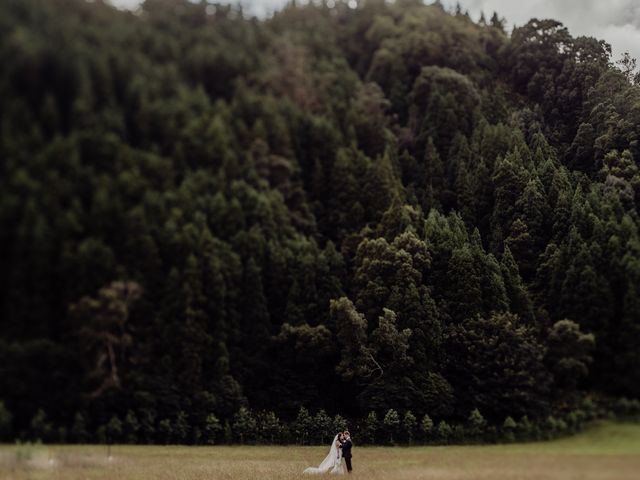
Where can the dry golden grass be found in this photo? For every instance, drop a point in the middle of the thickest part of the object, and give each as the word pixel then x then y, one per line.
pixel 609 451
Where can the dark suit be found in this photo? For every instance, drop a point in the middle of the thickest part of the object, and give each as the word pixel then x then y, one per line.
pixel 346 453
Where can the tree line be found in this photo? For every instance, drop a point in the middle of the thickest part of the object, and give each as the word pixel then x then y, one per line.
pixel 266 428
pixel 206 216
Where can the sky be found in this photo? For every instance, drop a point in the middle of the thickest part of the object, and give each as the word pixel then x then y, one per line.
pixel 615 21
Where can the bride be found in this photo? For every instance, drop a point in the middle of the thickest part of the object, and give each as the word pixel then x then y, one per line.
pixel 332 462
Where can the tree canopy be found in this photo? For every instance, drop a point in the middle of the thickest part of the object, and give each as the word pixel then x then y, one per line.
pixel 386 211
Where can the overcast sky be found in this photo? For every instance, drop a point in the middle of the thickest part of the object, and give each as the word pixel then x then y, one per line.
pixel 616 21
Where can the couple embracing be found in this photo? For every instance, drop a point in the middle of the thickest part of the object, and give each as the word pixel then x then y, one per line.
pixel 340 448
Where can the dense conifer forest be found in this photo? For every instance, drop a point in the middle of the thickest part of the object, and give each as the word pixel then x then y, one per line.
pixel 215 227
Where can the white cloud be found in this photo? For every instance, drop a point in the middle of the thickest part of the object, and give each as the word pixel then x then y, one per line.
pixel 256 7
pixel 615 21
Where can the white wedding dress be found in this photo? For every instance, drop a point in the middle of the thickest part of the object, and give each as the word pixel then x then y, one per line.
pixel 331 464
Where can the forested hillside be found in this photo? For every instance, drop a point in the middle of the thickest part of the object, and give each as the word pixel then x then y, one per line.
pixel 346 209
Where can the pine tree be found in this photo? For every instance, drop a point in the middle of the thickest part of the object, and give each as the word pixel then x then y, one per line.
pixel 244 425
pixel 79 433
pixel 339 423
pixel 40 427
pixel 493 355
pixel 509 181
pixel 181 427
pixel 269 426
pixel 519 299
pixel 508 427
pixel 131 426
pixel 322 423
pixel 476 424
pixel 434 175
pixel 409 424
pixel 444 432
pixel 372 426
pixel 212 429
pixel 114 430
pixel 303 426
pixel 520 243
pixel 464 299
pixel 391 423
pixel 6 420
pixel 165 431
pixel 426 425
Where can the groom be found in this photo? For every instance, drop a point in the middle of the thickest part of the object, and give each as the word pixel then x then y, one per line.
pixel 346 450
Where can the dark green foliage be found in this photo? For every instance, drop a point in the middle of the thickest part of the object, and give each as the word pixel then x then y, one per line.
pixel 391 213
pixel 497 363
pixel 79 433
pixel 40 427
pixel 212 429
pixel 371 427
pixel 569 353
pixel 426 426
pixel 409 425
pixel 391 423
pixel 476 424
pixel 244 425
pixel 444 432
pixel 269 427
pixel 131 427
pixel 303 425
pixel 114 430
pixel 6 420
pixel 322 424
pixel 508 427
pixel 339 423
pixel 165 431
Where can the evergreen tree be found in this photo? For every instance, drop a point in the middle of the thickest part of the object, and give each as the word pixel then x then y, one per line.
pixel 569 353
pixel 391 423
pixel 40 427
pixel 444 432
pixel 130 427
pixel 372 426
pixel 508 427
pixel 426 425
pixel 244 425
pixel 181 427
pixel 79 433
pixel 519 299
pixel 182 233
pixel 269 427
pixel 303 426
pixel 165 431
pixel 409 424
pixel 322 423
pixel 114 430
pixel 6 420
pixel 339 423
pixel 487 375
pixel 476 424
pixel 212 429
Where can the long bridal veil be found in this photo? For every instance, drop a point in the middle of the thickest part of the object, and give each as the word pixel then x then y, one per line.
pixel 329 461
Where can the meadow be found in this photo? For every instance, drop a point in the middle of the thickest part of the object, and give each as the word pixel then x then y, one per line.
pixel 606 451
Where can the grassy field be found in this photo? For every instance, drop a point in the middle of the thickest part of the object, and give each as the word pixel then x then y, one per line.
pixel 606 451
